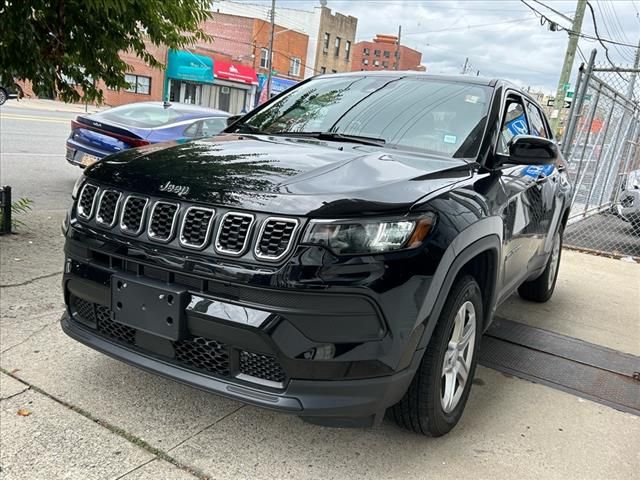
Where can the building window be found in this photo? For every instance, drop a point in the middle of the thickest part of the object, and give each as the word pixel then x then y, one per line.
pixel 387 54
pixel 294 67
pixel 327 37
pixel 337 52
pixel 347 49
pixel 334 71
pixel 365 61
pixel 365 52
pixel 376 53
pixel 323 69
pixel 376 63
pixel 138 84
pixel 385 64
pixel 264 58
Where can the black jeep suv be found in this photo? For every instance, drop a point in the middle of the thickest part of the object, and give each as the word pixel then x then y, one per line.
pixel 335 253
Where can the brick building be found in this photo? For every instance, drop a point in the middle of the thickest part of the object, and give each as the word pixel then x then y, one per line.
pixel 319 24
pixel 380 54
pixel 336 39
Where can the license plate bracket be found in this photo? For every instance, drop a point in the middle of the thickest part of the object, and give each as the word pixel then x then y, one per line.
pixel 153 307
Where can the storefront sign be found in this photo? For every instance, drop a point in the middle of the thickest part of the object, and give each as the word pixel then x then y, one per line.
pixel 185 65
pixel 279 85
pixel 235 73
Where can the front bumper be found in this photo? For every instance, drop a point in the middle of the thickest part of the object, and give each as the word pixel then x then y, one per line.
pixel 344 402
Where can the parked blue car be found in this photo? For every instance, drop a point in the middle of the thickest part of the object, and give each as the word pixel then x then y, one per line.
pixel 95 136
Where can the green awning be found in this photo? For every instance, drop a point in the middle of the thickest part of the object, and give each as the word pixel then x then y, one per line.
pixel 185 65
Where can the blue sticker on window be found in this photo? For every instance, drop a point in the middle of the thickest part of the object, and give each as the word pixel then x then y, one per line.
pixel 536 171
pixel 518 126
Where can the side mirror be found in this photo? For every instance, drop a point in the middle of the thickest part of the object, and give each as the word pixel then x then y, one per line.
pixel 233 119
pixel 530 150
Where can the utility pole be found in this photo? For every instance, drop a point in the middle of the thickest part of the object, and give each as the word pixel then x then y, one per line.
pixel 634 75
pixel 270 55
pixel 397 65
pixel 464 67
pixel 569 56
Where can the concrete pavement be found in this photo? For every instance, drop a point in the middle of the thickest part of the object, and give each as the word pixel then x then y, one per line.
pixel 86 407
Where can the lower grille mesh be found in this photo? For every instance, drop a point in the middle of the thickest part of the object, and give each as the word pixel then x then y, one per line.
pixel 199 353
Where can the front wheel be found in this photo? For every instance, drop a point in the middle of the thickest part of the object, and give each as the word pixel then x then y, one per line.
pixel 3 96
pixel 438 393
pixel 541 289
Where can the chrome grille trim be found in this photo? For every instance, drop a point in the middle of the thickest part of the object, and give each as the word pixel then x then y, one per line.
pixel 182 240
pixel 247 238
pixel 258 254
pixel 114 220
pixel 153 236
pixel 80 210
pixel 123 211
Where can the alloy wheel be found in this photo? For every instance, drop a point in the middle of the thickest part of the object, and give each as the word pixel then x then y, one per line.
pixel 458 357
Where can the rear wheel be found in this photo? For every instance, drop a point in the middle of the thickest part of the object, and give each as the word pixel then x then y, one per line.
pixel 438 393
pixel 541 289
pixel 3 96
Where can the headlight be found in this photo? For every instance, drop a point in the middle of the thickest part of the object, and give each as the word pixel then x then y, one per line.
pixel 77 186
pixel 354 237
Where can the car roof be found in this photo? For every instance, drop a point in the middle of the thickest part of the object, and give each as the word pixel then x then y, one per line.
pixel 487 81
pixel 187 110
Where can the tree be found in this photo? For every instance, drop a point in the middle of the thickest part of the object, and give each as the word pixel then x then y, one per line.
pixel 64 46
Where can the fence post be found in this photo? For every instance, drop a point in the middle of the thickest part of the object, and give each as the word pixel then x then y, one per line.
pixel 592 114
pixel 576 105
pixel 6 209
pixel 613 153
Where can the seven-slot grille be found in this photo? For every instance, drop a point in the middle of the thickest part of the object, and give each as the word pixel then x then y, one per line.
pixel 196 227
pixel 275 238
pixel 132 218
pixel 233 233
pixel 108 207
pixel 87 201
pixel 163 221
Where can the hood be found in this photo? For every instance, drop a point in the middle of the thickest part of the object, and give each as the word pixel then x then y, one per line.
pixel 280 175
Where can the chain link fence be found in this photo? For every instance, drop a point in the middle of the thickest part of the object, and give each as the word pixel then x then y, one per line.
pixel 601 146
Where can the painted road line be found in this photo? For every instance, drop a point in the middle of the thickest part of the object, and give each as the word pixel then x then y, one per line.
pixel 14 116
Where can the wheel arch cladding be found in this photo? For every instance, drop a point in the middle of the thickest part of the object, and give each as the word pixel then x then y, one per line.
pixel 479 259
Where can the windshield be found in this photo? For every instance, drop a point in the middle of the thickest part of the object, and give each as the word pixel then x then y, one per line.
pixel 446 118
pixel 141 115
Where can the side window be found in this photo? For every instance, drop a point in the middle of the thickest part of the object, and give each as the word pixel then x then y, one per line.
pixel 537 123
pixel 514 123
pixel 193 130
pixel 213 126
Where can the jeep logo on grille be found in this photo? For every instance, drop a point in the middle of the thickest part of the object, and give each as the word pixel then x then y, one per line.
pixel 179 190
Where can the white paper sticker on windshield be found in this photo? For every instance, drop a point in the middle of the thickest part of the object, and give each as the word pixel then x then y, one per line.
pixel 450 139
pixel 471 99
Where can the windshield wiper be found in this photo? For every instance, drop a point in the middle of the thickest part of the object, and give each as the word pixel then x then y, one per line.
pixel 247 128
pixel 336 137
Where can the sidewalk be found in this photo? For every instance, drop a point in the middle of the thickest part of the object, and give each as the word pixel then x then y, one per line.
pixel 91 417
pixel 51 105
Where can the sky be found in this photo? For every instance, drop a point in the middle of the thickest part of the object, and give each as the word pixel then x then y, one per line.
pixel 501 38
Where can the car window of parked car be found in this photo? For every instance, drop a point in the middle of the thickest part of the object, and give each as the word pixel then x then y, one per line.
pixel 140 115
pixel 441 117
pixel 213 126
pixel 193 130
pixel 536 122
pixel 514 123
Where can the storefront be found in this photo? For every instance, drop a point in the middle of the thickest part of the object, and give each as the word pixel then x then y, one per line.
pixel 187 74
pixel 233 89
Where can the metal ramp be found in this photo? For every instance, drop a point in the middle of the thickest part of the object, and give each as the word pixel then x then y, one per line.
pixel 583 369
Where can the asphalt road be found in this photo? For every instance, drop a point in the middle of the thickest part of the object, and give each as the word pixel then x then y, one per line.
pixel 32 148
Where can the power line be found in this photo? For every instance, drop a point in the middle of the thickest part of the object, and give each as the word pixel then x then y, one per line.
pixel 606 49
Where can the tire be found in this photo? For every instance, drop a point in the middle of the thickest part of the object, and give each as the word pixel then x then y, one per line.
pixel 3 96
pixel 424 408
pixel 541 289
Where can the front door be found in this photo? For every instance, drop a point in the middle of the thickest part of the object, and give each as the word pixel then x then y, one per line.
pixel 524 210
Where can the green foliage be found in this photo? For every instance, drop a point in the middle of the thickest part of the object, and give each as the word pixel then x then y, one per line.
pixel 19 207
pixel 62 46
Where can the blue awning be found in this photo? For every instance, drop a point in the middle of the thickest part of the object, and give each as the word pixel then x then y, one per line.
pixel 185 65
